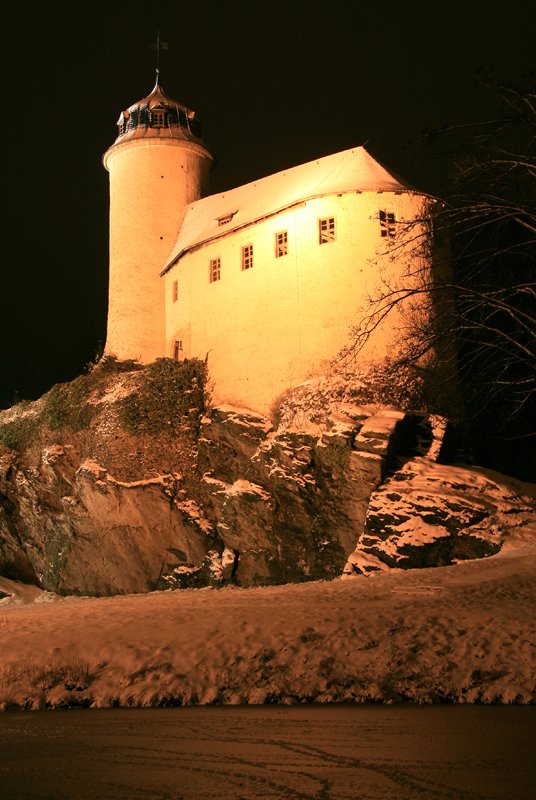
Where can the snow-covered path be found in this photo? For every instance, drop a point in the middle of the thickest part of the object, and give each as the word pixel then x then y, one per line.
pixel 464 633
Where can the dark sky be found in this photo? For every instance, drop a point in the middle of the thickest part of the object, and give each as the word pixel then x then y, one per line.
pixel 274 84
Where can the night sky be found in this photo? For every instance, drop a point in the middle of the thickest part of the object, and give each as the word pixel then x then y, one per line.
pixel 274 84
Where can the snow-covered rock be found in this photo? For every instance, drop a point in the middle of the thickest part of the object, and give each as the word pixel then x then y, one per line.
pixel 299 504
pixel 250 505
pixel 428 515
pixel 231 497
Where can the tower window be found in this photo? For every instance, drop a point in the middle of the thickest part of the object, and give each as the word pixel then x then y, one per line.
pixel 326 230
pixel 247 256
pixel 281 244
pixel 177 349
pixel 175 291
pixel 214 271
pixel 123 122
pixel 157 119
pixel 387 223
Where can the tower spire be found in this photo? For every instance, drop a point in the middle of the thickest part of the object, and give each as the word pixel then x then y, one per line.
pixel 158 47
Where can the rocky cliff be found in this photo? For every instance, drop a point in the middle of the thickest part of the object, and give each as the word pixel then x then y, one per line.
pixel 126 481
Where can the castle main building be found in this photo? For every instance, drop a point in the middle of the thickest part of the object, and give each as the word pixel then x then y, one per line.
pixel 265 279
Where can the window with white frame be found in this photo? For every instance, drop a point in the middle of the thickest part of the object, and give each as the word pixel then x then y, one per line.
pixel 281 244
pixel 214 269
pixel 247 256
pixel 326 230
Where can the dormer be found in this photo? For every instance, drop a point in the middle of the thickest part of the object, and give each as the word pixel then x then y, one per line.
pixel 157 117
pixel 225 218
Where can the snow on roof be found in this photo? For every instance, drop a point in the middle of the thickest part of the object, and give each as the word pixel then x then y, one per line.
pixel 353 170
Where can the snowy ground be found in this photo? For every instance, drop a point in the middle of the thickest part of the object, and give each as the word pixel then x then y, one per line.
pixel 464 633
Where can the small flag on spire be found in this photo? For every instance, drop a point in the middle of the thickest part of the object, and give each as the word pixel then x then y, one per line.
pixel 159 46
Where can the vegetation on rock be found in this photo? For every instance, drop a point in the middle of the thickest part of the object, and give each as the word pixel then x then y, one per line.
pixel 168 393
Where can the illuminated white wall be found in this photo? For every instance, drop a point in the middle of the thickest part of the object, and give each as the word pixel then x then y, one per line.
pixel 268 328
pixel 151 180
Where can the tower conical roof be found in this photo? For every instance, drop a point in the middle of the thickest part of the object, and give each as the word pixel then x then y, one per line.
pixel 159 115
pixel 158 97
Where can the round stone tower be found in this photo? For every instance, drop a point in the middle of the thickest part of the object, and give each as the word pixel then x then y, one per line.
pixel 158 164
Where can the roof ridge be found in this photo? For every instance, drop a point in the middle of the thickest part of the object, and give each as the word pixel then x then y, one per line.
pixel 351 170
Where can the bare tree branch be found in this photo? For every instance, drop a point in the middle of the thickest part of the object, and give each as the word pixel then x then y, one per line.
pixel 481 293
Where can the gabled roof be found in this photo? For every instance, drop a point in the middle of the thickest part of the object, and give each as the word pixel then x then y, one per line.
pixel 352 170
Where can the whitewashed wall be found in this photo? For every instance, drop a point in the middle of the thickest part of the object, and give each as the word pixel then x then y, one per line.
pixel 270 327
pixel 151 180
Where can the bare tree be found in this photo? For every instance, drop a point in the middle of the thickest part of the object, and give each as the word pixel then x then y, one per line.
pixel 479 300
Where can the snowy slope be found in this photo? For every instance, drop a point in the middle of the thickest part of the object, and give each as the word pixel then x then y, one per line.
pixel 462 633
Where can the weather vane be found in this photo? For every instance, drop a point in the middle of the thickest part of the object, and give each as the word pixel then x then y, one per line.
pixel 159 46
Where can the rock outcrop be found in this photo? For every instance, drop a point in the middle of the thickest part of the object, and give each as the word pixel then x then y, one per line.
pixel 271 507
pixel 428 515
pixel 71 527
pixel 227 495
pixel 290 503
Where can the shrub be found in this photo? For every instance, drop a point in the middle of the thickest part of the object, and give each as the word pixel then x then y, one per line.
pixel 18 433
pixel 169 393
pixel 66 405
pixel 110 365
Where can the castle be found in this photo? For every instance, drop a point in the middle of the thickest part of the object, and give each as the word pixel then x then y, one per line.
pixel 264 280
